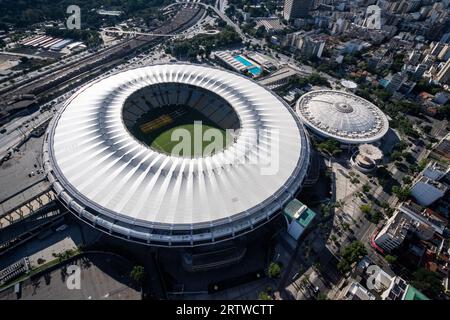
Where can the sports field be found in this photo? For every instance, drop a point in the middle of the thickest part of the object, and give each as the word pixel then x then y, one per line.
pixel 164 141
pixel 171 130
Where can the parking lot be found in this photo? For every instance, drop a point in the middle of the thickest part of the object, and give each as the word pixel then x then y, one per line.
pixel 22 169
pixel 103 277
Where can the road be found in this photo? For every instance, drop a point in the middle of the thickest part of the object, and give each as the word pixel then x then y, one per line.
pixel 30 56
pixel 217 8
pixel 16 132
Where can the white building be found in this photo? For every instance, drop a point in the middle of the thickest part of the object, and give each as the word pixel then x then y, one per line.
pixel 425 221
pixel 355 291
pixel 342 116
pixel 393 233
pixel 443 75
pixel 409 217
pixel 308 44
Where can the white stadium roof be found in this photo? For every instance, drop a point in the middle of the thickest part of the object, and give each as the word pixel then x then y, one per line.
pixel 342 116
pixel 123 187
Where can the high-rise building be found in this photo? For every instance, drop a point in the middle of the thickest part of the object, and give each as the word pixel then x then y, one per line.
pixel 308 44
pixel 437 48
pixel 414 57
pixel 419 71
pixel 296 9
pixel 444 54
pixel 443 75
pixel 396 82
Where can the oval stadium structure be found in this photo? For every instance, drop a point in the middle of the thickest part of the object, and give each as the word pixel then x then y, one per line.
pixel 101 158
pixel 342 116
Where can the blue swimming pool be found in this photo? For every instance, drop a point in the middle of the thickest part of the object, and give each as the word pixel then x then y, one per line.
pixel 244 61
pixel 255 70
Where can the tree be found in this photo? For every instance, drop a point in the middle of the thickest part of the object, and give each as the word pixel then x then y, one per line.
pixel 396 156
pixel 343 266
pixel 401 193
pixel 264 296
pixel 351 254
pixel 330 146
pixel 376 217
pixel 260 32
pixel 390 259
pixel 428 282
pixel 137 274
pixel 318 80
pixel 274 270
pixel 365 208
pixel 406 180
pixel 366 188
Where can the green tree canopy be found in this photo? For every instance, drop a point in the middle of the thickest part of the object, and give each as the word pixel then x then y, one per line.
pixel 428 282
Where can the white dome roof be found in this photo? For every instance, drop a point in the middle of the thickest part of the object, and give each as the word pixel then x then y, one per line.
pixel 342 116
pixel 349 84
pixel 106 175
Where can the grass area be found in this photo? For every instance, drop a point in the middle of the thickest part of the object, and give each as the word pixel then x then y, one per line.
pixel 182 136
pixel 166 144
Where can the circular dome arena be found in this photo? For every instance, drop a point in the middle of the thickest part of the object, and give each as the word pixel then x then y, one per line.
pixel 109 155
pixel 342 116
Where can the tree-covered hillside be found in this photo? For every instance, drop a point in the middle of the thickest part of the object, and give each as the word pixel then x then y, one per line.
pixel 23 13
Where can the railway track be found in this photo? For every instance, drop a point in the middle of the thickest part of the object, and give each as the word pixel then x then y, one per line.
pixel 56 82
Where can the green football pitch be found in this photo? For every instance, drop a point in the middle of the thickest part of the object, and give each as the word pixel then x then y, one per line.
pixel 180 134
pixel 171 141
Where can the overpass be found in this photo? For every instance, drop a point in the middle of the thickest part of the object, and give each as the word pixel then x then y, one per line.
pixel 222 15
pixel 26 203
pixel 281 77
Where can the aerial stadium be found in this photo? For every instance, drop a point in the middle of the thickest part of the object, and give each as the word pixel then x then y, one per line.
pixel 109 155
pixel 342 116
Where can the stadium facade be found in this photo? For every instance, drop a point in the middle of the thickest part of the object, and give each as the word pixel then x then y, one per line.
pixel 112 180
pixel 342 116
